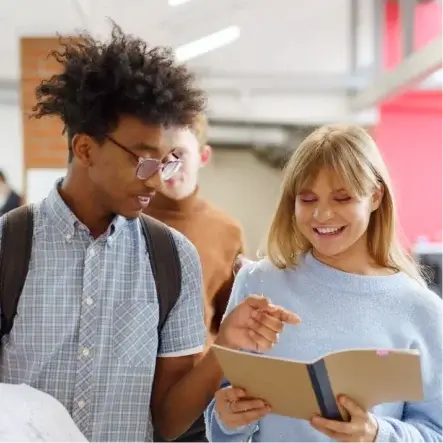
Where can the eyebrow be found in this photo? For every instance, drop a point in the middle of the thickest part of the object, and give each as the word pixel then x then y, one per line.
pixel 145 147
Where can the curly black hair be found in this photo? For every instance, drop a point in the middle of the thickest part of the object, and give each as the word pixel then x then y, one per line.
pixel 100 82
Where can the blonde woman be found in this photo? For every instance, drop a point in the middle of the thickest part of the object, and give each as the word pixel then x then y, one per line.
pixel 335 259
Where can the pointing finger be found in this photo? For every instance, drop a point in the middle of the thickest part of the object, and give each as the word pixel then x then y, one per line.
pixel 269 321
pixel 283 315
pixel 257 302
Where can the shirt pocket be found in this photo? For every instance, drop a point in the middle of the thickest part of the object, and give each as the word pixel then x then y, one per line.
pixel 135 337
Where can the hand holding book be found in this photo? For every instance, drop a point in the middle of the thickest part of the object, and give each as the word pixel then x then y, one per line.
pixel 235 409
pixel 362 425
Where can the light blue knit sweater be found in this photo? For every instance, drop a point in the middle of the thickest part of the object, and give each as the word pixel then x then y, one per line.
pixel 340 311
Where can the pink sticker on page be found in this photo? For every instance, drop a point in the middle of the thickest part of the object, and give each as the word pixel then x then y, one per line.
pixel 382 353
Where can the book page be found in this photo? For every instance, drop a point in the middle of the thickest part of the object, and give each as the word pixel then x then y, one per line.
pixel 373 377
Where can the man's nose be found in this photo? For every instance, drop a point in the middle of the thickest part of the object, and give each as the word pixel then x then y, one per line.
pixel 155 181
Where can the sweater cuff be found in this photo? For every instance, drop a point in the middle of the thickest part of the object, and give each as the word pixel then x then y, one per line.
pixel 225 429
pixel 384 431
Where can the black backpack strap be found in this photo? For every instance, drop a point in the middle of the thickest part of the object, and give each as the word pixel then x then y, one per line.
pixel 165 264
pixel 15 255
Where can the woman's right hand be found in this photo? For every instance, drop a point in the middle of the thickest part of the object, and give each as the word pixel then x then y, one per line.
pixel 235 409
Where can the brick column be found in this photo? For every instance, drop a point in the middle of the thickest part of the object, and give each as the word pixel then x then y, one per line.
pixel 44 144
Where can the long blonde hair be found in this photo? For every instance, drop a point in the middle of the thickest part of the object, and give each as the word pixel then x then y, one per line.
pixel 354 156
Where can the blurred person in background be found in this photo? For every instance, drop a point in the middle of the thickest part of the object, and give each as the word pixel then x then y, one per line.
pixel 9 199
pixel 217 237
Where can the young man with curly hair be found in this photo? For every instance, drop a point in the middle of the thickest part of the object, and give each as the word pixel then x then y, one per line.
pixel 86 329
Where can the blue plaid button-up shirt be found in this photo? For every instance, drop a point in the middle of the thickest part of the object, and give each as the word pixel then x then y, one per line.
pixel 86 328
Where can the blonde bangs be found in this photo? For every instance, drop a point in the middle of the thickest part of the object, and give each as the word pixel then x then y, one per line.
pixel 346 164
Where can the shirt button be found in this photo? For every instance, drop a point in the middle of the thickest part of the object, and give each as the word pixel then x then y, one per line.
pixel 89 301
pixel 92 252
pixel 86 352
pixel 69 237
pixel 81 404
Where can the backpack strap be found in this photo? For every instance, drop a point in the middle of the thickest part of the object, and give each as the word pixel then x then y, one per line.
pixel 165 264
pixel 15 255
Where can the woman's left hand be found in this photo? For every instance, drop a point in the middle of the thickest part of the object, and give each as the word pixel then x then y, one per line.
pixel 361 427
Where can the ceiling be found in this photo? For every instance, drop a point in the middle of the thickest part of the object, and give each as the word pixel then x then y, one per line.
pixel 291 64
pixel 291 36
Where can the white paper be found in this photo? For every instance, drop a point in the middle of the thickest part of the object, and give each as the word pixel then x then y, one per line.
pixel 39 183
pixel 29 415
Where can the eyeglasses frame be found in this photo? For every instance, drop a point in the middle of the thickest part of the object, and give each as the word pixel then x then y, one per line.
pixel 160 165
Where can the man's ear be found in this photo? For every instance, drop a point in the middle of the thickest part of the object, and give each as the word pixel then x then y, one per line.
pixel 81 148
pixel 205 155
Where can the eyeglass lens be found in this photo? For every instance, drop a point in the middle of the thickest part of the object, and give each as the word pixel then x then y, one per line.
pixel 147 168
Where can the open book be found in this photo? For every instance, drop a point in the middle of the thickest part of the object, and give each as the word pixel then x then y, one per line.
pixel 302 389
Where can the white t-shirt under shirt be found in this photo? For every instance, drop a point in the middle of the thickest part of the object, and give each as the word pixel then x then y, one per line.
pixel 29 415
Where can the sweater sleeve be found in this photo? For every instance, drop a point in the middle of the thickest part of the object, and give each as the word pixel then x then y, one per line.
pixel 422 421
pixel 215 430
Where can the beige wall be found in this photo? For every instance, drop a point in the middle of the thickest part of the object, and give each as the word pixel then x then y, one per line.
pixel 237 182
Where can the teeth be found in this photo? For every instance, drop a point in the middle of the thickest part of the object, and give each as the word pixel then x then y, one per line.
pixel 328 230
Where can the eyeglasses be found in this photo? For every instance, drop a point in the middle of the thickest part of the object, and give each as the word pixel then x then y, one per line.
pixel 148 167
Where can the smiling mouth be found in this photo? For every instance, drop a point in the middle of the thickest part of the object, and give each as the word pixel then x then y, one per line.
pixel 329 231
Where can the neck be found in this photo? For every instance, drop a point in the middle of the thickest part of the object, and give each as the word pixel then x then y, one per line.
pixel 83 202
pixel 163 202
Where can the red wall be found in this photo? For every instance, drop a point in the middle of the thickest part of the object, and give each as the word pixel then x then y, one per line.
pixel 410 138
pixel 409 134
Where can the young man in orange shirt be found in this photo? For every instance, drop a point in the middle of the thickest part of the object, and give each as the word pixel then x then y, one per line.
pixel 217 237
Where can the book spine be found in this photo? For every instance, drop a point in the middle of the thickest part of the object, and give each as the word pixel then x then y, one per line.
pixel 323 391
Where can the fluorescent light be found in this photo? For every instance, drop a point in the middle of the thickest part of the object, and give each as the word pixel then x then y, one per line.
pixel 177 2
pixel 208 43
